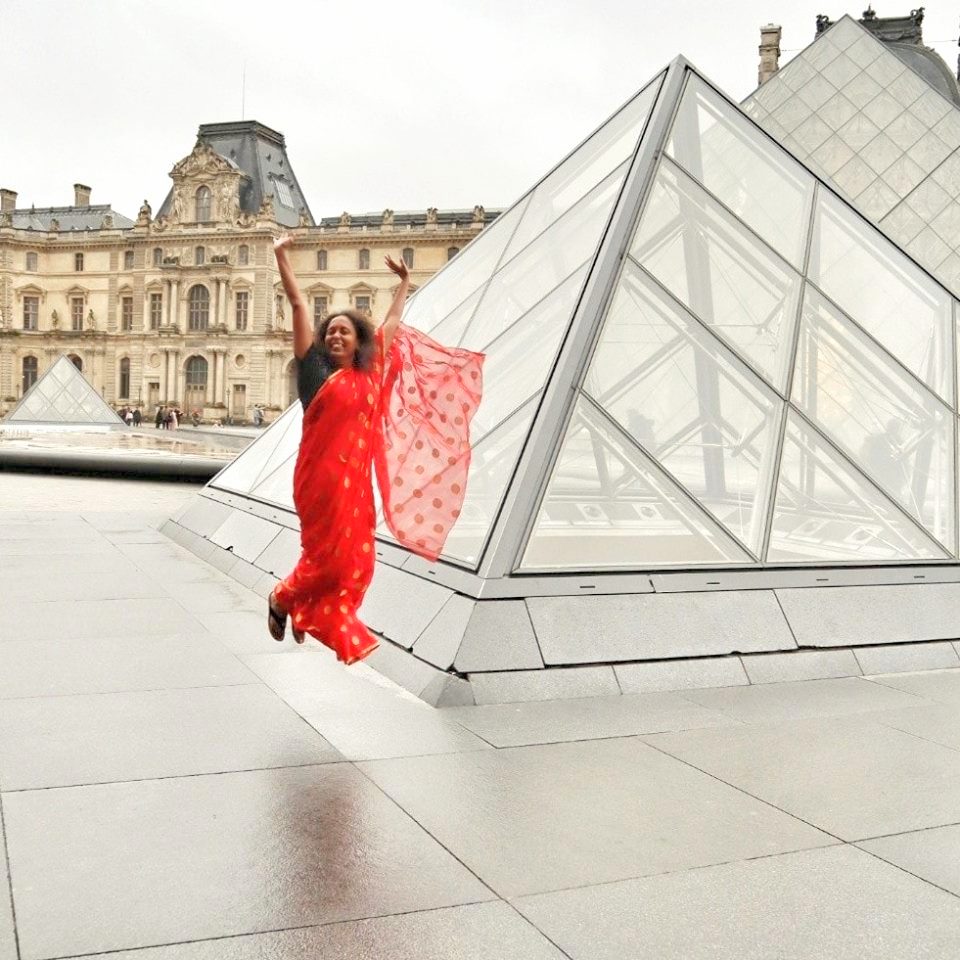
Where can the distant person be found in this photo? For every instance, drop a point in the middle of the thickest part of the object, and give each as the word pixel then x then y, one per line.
pixel 195 419
pixel 158 420
pixel 128 417
pixel 257 416
pixel 137 417
pixel 355 384
pixel 174 419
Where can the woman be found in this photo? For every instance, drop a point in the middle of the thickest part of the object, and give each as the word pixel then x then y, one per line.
pixel 389 397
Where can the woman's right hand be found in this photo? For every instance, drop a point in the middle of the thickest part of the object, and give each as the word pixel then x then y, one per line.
pixel 282 242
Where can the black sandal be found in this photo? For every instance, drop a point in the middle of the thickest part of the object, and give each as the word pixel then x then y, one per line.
pixel 276 620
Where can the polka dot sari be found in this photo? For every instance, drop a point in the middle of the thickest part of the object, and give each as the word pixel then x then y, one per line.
pixel 410 415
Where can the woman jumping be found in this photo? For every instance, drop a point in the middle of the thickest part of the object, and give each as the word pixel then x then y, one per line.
pixel 389 398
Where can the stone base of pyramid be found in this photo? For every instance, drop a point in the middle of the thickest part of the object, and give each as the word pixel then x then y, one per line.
pixel 674 631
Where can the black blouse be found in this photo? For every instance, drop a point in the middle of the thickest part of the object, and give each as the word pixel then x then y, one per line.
pixel 312 371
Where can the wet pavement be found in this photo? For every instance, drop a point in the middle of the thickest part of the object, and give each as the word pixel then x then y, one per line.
pixel 174 785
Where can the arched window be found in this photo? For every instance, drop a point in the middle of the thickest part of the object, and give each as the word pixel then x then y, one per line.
pixel 124 378
pixel 321 259
pixel 198 308
pixel 243 255
pixel 408 257
pixel 32 262
pixel 76 361
pixel 364 259
pixel 158 256
pixel 29 372
pixel 199 256
pixel 78 262
pixel 203 203
pixel 195 391
pixel 452 252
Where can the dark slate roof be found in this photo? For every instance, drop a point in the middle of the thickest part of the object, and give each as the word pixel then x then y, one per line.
pixel 70 218
pixel 416 218
pixel 931 66
pixel 261 154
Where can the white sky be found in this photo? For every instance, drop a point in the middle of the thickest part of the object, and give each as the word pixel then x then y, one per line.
pixel 443 103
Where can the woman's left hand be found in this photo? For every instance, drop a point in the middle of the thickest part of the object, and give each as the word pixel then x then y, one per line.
pixel 400 269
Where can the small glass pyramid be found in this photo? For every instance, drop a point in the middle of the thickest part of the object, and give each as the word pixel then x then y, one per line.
pixel 63 396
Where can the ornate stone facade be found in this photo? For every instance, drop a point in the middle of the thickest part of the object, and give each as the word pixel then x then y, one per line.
pixel 187 308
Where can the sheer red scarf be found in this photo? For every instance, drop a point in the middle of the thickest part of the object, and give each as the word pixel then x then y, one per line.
pixel 421 452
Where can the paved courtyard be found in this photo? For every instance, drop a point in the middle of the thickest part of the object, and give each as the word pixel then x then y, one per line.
pixel 177 786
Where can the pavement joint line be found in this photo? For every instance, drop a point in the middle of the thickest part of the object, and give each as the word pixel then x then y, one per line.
pixel 876 680
pixel 302 926
pixel 680 870
pixel 542 933
pixel 909 873
pixel 9 879
pixel 917 736
pixel 733 786
pixel 904 833
pixel 435 839
pixel 175 776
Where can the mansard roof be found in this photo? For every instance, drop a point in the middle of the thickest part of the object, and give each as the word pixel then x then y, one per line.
pixel 69 218
pixel 260 153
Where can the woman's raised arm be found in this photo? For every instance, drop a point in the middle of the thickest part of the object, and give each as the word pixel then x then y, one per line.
pixel 392 320
pixel 302 328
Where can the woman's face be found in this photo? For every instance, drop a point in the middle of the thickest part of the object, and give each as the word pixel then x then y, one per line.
pixel 341 341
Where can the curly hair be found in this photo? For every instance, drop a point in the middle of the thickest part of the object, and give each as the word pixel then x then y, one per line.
pixel 364 329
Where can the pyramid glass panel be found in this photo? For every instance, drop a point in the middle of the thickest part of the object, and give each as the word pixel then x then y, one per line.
pixel 606 149
pixel 542 266
pixel 728 278
pixel 62 395
pixel 897 432
pixel 827 512
pixel 902 130
pixel 889 296
pixel 608 506
pixel 280 441
pixel 689 403
pixel 754 179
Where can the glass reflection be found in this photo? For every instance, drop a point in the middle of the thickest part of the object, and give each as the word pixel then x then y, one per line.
pixel 607 506
pixel 826 511
pixel 898 433
pixel 689 403
pixel 888 295
pixel 737 163
pixel 727 277
pixel 279 442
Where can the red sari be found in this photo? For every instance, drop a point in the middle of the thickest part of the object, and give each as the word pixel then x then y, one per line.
pixel 410 415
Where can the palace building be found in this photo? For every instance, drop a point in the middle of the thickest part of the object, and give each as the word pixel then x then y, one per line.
pixel 186 307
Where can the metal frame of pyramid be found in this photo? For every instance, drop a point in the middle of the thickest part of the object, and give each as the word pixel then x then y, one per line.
pixel 710 597
pixel 63 397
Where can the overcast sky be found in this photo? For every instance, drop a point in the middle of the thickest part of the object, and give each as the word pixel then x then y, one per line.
pixel 441 103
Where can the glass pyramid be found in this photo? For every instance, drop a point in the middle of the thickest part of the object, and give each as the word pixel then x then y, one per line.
pixel 697 356
pixel 63 396
pixel 859 117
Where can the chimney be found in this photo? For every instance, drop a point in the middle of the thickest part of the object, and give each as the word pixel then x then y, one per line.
pixel 769 52
pixel 81 195
pixel 8 200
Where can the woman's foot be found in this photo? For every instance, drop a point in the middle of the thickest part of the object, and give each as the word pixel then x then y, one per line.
pixel 276 619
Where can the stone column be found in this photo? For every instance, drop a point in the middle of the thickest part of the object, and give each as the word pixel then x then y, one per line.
pixel 174 302
pixel 222 376
pixel 222 303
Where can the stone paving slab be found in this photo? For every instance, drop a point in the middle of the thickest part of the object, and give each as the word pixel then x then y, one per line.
pixel 54 742
pixel 943 685
pixel 937 722
pixel 362 720
pixel 933 855
pixel 480 931
pixel 8 939
pixel 830 904
pixel 128 865
pixel 532 819
pixel 48 668
pixel 847 775
pixel 765 703
pixel 78 620
pixel 545 721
